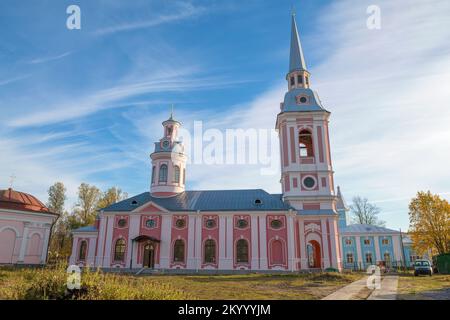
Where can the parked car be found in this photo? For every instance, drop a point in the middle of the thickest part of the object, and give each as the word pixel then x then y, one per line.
pixel 423 266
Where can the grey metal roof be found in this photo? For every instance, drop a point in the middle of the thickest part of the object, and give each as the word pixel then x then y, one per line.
pixel 209 200
pixel 290 101
pixel 366 228
pixel 86 229
pixel 341 203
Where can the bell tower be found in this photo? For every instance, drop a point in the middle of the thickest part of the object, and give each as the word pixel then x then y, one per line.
pixel 306 169
pixel 168 162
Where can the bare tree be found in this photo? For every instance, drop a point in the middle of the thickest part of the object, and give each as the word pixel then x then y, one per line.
pixel 364 212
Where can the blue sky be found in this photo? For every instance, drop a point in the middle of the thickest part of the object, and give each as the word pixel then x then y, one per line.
pixel 86 105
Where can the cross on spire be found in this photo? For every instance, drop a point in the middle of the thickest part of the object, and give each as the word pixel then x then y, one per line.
pixel 11 180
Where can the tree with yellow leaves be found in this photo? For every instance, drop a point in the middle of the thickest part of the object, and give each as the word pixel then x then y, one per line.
pixel 429 223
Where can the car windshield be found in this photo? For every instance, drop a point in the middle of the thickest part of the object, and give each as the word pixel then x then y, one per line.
pixel 422 263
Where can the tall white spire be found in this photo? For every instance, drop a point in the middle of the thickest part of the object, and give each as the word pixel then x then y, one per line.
pixel 296 58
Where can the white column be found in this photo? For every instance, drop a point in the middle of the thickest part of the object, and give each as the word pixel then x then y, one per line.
pixel 335 245
pixel 377 249
pixel 109 235
pixel 135 221
pixel 291 242
pixel 254 237
pixel 326 258
pixel 45 245
pixel 263 241
pixel 396 245
pixel 222 253
pixel 23 245
pixel 230 244
pixel 100 241
pixel 73 256
pixel 91 253
pixel 359 252
pixel 166 239
pixel 303 256
pixel 191 243
pixel 198 241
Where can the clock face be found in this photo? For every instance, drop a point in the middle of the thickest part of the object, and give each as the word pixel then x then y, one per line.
pixel 165 144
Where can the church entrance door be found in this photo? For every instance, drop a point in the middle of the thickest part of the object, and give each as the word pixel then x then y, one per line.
pixel 149 255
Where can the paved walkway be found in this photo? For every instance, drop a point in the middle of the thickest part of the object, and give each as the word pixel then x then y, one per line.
pixel 388 290
pixel 348 292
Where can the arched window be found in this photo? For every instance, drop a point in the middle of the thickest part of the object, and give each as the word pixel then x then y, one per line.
pixel 242 251
pixel 119 250
pixel 163 173
pixel 153 174
pixel 305 143
pixel 368 257
pixel 178 251
pixel 83 250
pixel 176 174
pixel 210 251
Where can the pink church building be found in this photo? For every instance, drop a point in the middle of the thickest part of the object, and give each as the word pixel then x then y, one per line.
pixel 170 228
pixel 25 227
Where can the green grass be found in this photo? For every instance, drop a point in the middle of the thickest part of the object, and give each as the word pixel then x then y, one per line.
pixel 423 287
pixel 51 284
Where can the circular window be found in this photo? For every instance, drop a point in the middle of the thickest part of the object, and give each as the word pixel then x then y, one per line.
pixel 150 223
pixel 180 223
pixel 122 223
pixel 242 223
pixel 309 182
pixel 210 223
pixel 303 100
pixel 276 224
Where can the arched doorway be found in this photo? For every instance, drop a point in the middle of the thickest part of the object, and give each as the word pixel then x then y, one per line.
pixel 149 255
pixel 314 254
pixel 7 245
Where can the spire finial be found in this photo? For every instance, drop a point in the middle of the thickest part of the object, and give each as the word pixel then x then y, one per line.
pixel 11 180
pixel 171 111
pixel 293 13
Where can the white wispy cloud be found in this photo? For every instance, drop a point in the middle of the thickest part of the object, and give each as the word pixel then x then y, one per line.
pixel 181 11
pixel 49 58
pixel 13 79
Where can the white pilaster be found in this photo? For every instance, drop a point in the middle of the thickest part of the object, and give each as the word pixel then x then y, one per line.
pixel 303 256
pixel 101 241
pixel 263 240
pixel 91 253
pixel 73 256
pixel 291 243
pixel 359 251
pixel 109 235
pixel 133 232
pixel 45 245
pixel 198 241
pixel 222 253
pixel 377 248
pixel 191 243
pixel 24 244
pixel 254 237
pixel 166 239
pixel 335 245
pixel 326 258
pixel 230 244
pixel 397 248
